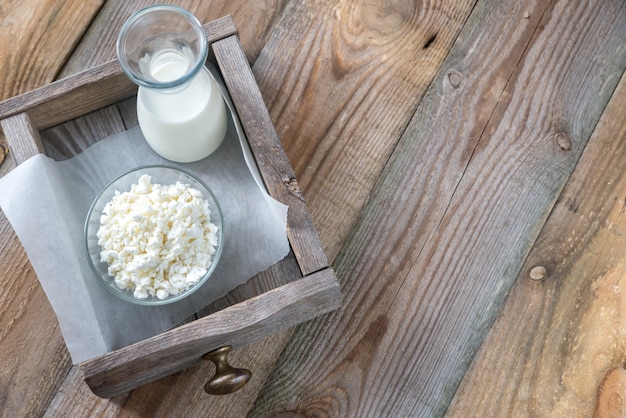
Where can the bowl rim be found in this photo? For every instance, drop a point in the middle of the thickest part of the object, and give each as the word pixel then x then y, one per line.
pixel 125 294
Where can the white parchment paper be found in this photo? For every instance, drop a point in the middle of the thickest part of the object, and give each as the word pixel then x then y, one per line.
pixel 47 202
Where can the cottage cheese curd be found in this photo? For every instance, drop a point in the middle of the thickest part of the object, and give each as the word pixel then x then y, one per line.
pixel 158 240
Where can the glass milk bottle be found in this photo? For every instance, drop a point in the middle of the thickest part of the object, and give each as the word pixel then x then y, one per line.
pixel 180 108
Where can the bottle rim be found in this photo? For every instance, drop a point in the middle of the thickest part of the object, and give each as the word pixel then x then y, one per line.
pixel 151 82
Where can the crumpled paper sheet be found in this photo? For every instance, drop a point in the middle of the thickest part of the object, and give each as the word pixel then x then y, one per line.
pixel 47 202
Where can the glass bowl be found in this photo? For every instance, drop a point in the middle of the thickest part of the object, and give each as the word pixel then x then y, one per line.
pixel 163 175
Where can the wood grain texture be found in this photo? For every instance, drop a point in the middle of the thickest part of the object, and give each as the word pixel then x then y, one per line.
pixel 36 39
pixel 124 369
pixel 4 150
pixel 88 90
pixel 254 20
pixel 568 329
pixel 338 79
pixel 611 395
pixel 178 395
pixel 22 137
pixel 455 213
pixel 70 98
pixel 270 157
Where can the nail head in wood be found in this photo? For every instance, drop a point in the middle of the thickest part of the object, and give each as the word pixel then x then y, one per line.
pixel 538 273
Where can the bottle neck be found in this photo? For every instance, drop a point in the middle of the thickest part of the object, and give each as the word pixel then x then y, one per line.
pixel 156 36
pixel 169 70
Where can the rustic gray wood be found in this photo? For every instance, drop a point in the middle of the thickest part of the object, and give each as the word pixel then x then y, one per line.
pixel 127 368
pixel 22 137
pixel 341 81
pixel 254 21
pixel 573 315
pixel 89 90
pixel 457 208
pixel 269 154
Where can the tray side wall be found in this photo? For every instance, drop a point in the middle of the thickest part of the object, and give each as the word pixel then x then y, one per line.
pixel 125 369
pixel 271 159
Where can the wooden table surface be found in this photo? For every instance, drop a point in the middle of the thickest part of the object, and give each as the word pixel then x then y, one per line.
pixel 465 165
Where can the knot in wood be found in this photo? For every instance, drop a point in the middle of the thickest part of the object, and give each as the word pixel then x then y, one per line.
pixel 538 273
pixel 455 79
pixel 293 186
pixel 611 394
pixel 563 141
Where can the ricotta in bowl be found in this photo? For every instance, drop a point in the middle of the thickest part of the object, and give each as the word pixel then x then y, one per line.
pixel 154 234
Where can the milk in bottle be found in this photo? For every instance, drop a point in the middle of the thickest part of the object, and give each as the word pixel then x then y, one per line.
pixel 184 123
pixel 181 111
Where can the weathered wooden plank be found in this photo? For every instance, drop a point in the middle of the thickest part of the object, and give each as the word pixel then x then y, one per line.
pixel 70 98
pixel 611 394
pixel 254 20
pixel 35 40
pixel 340 83
pixel 456 211
pixel 122 370
pixel 66 140
pixel 269 154
pixel 87 91
pixel 22 137
pixel 558 335
pixel 297 48
pixel 180 394
pixel 4 150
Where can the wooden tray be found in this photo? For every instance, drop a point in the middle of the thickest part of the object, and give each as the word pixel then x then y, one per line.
pixel 309 292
